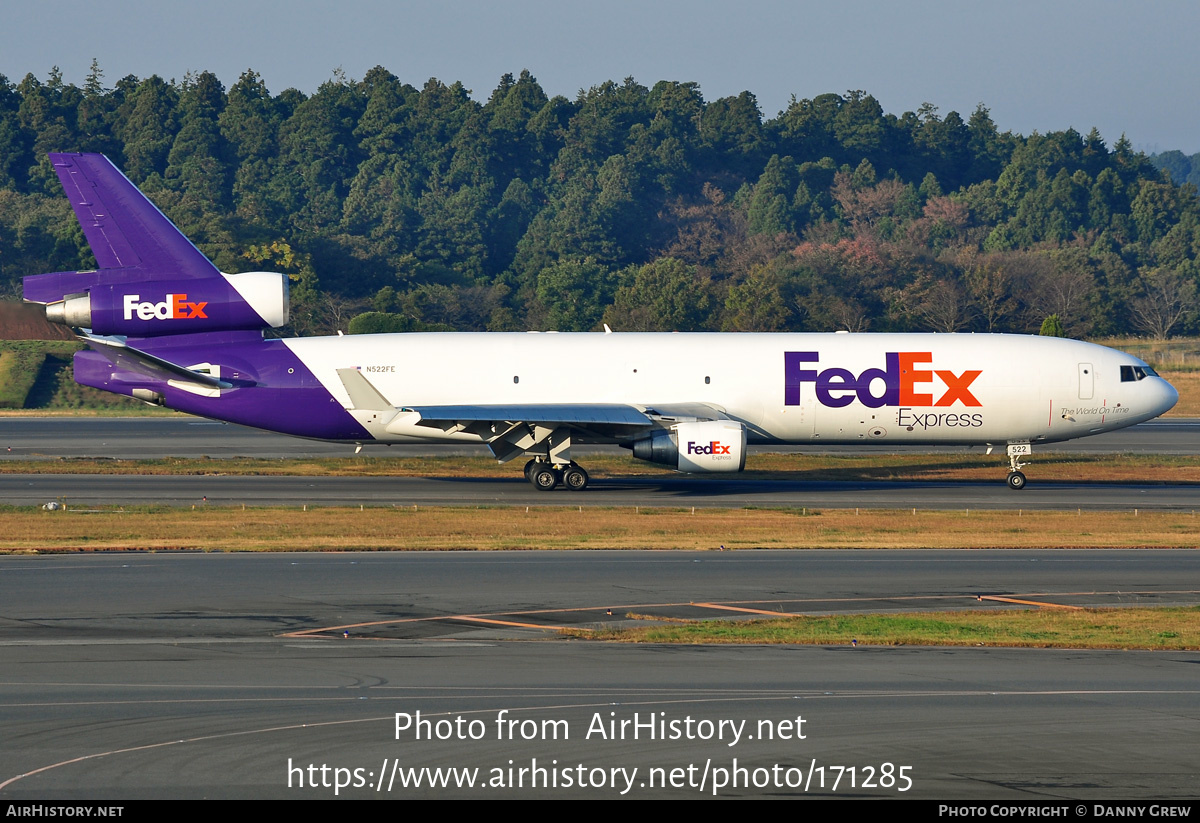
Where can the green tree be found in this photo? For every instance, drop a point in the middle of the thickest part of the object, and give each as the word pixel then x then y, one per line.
pixel 146 124
pixel 573 294
pixel 518 152
pixel 318 156
pixel 663 295
pixel 989 150
pixel 94 115
pixel 14 156
pixel 770 207
pixel 731 128
pixel 1052 327
pixel 196 164
pixel 249 124
pixel 757 304
pixel 859 127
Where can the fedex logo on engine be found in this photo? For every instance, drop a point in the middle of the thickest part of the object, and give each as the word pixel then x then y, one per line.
pixel 175 307
pixel 713 447
pixel 902 382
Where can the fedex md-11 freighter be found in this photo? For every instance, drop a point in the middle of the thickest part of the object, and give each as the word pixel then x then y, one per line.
pixel 164 325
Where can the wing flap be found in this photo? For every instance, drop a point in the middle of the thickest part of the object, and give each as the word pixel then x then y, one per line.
pixel 542 414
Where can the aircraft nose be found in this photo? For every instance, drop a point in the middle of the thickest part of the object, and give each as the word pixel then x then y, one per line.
pixel 1166 398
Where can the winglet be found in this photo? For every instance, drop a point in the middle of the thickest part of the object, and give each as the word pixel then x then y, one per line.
pixel 363 396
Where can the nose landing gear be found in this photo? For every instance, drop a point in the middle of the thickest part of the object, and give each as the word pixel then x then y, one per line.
pixel 1016 479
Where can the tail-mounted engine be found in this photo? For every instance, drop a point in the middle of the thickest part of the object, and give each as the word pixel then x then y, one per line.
pixel 708 446
pixel 149 308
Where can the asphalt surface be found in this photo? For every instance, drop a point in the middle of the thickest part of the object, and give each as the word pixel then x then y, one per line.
pixel 150 437
pixel 132 676
pixel 671 491
pixel 228 676
pixel 51 438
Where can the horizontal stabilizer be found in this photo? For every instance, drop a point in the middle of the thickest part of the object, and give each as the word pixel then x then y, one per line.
pixel 138 361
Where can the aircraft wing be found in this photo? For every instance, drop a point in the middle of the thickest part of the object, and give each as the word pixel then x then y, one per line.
pixel 364 396
pixel 124 229
pixel 510 429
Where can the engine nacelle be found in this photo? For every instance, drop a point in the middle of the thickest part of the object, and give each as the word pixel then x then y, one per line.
pixel 254 300
pixel 708 446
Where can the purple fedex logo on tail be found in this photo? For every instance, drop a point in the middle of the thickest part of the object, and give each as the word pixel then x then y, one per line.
pixel 904 384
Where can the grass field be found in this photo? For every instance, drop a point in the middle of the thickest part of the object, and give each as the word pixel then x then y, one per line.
pixel 297 528
pixel 1132 628
pixel 1046 467
pixel 37 374
pixel 1188 385
pixel 33 531
pixel 18 370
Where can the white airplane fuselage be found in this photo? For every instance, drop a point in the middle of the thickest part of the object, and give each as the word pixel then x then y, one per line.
pixel 948 388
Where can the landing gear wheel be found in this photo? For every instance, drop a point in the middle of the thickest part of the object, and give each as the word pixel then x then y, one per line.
pixel 545 478
pixel 575 479
pixel 1016 481
pixel 529 467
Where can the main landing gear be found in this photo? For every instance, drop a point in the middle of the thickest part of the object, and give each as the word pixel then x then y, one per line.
pixel 545 476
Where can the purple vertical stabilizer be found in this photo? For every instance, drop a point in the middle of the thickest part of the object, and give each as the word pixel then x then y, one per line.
pixel 167 327
pixel 124 229
pixel 152 280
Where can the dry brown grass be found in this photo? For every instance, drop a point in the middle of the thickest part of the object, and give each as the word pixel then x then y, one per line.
pixel 1187 383
pixel 399 529
pixel 1048 467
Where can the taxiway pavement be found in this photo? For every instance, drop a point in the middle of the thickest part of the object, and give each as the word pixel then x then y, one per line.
pixel 181 436
pixel 189 675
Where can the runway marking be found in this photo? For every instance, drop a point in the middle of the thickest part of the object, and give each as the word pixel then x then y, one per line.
pixel 592 705
pixel 1038 603
pixel 742 609
pixel 503 622
pixel 1118 593
pixel 577 609
pixel 729 605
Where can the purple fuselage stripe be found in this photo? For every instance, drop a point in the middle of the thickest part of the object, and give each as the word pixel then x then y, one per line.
pixel 273 389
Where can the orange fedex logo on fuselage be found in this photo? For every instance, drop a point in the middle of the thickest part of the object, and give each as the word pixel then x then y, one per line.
pixel 174 307
pixel 902 379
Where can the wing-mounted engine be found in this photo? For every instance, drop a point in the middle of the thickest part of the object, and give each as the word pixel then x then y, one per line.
pixel 700 446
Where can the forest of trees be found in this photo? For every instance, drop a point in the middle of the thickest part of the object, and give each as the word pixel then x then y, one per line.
pixel 402 208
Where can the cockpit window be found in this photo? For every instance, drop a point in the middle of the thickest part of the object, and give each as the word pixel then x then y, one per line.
pixel 1129 374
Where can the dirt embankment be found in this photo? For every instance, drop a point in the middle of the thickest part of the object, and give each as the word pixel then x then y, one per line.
pixel 21 321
